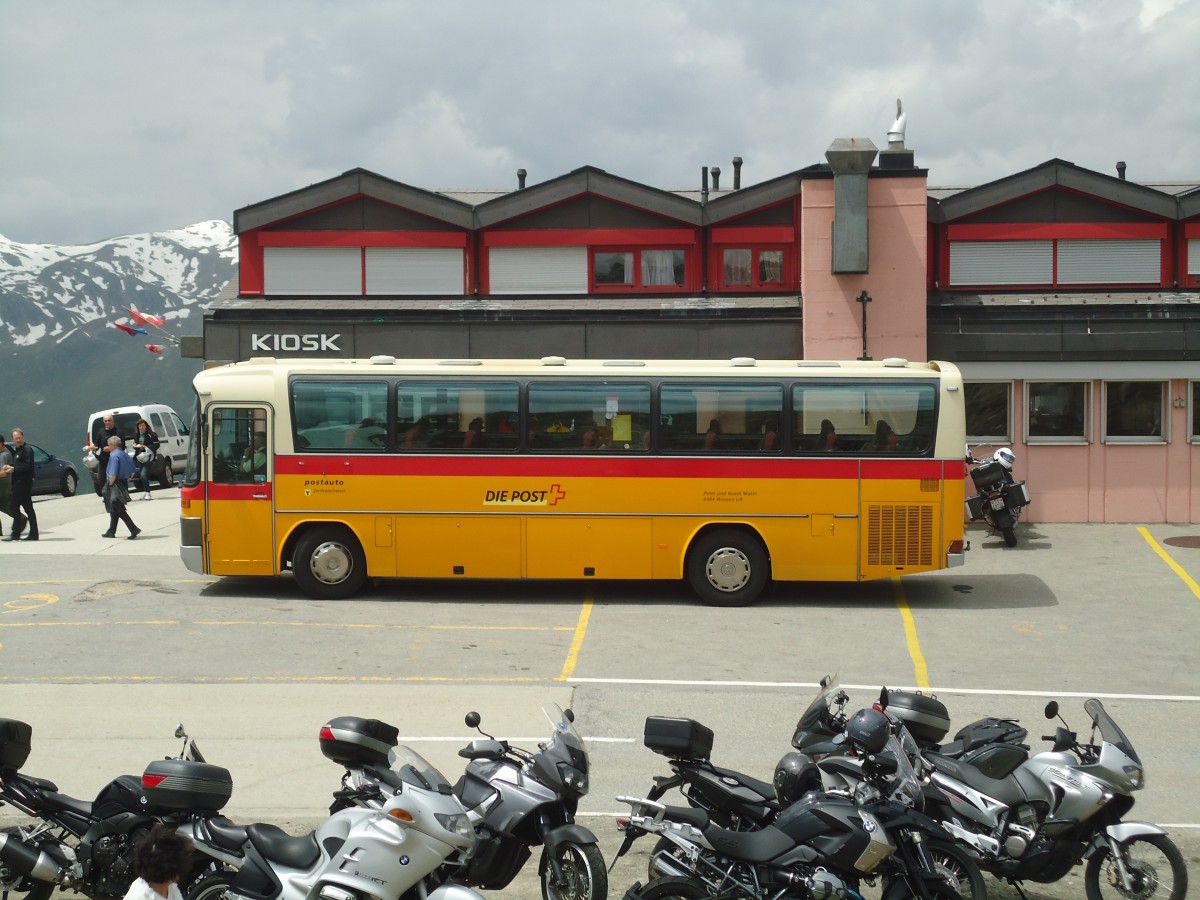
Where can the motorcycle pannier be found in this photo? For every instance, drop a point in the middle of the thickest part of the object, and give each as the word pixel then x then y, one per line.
pixel 925 717
pixel 976 506
pixel 183 784
pixel 987 475
pixel 351 741
pixel 15 742
pixel 1016 495
pixel 680 738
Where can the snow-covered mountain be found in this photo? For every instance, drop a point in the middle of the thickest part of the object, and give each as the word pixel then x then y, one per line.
pixel 60 356
pixel 48 291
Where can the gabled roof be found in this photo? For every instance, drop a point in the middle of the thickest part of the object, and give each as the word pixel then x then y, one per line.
pixel 745 200
pixel 1051 174
pixel 348 185
pixel 587 180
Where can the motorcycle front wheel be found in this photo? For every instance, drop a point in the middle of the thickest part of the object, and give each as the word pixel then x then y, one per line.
pixel 211 887
pixel 672 887
pixel 1155 864
pixel 583 874
pixel 958 866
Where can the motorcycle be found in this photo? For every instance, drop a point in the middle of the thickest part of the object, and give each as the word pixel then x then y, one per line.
pixel 1058 809
pixel 826 844
pixel 394 844
pixel 999 500
pixel 518 800
pixel 87 847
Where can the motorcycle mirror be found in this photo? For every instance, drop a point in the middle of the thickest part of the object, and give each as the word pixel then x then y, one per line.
pixel 472 719
pixel 179 732
pixel 824 681
pixel 569 714
pixel 1051 709
pixel 883 697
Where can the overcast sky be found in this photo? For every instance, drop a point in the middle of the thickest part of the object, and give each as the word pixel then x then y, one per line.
pixel 126 117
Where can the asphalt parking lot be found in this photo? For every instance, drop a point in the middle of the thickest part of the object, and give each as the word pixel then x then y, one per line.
pixel 104 645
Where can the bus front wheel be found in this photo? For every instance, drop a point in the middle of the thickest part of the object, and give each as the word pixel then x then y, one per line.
pixel 728 568
pixel 329 564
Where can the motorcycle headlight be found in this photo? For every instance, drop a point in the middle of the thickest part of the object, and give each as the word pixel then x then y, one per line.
pixel 572 778
pixel 1137 778
pixel 455 823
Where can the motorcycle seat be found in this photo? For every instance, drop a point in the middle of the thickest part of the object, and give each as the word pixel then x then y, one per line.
pixel 688 815
pixel 225 834
pixel 65 803
pixel 750 846
pixel 1006 790
pixel 277 845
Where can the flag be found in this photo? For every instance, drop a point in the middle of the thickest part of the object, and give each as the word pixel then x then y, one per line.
pixel 128 329
pixel 142 318
pixel 156 348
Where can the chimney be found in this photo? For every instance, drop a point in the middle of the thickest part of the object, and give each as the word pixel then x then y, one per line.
pixel 521 179
pixel 850 159
pixel 704 184
pixel 737 173
pixel 1121 170
pixel 716 174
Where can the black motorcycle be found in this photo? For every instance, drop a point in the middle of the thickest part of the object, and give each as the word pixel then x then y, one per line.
pixel 824 845
pixel 518 800
pixel 1000 499
pixel 87 846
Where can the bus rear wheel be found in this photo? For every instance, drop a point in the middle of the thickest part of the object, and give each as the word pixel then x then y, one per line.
pixel 728 568
pixel 329 563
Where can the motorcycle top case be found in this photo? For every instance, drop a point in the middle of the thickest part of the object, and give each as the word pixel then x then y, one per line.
pixel 183 784
pixel 16 740
pixel 925 717
pixel 351 741
pixel 679 738
pixel 987 475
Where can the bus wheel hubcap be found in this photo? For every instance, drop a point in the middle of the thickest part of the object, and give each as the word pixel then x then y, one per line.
pixel 330 563
pixel 728 569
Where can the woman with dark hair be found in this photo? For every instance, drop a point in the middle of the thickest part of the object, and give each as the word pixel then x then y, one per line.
pixel 145 448
pixel 827 439
pixel 160 859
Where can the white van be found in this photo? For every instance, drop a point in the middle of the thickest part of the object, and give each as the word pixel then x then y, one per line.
pixel 164 421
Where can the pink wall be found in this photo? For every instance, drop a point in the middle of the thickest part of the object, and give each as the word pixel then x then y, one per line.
pixel 897 219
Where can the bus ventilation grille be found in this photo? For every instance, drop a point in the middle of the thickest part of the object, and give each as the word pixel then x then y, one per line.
pixel 899 535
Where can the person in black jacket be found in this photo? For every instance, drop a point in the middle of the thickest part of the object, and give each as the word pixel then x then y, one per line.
pixel 99 445
pixel 21 473
pixel 145 441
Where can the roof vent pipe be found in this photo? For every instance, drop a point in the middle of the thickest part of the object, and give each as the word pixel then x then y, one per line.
pixel 716 174
pixel 737 173
pixel 895 134
pixel 521 173
pixel 704 184
pixel 1121 170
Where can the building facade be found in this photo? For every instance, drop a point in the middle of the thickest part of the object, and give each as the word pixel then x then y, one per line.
pixel 1069 298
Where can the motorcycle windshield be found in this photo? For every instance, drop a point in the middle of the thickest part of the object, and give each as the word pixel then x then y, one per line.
pixel 820 704
pixel 415 770
pixel 905 787
pixel 565 746
pixel 1110 732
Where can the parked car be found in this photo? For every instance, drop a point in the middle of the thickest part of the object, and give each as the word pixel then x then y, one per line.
pixel 53 474
pixel 165 422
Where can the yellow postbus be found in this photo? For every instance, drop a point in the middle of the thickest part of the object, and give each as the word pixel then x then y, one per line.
pixel 729 474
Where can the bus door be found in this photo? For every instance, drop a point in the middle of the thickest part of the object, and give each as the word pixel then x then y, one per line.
pixel 240 523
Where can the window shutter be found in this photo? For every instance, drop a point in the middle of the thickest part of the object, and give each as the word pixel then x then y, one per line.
pixel 1194 256
pixel 1001 262
pixel 538 270
pixel 414 270
pixel 1109 262
pixel 312 270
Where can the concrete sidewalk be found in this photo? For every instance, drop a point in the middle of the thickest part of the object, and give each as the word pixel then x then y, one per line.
pixel 73 525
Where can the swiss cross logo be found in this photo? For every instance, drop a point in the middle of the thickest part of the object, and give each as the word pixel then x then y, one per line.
pixel 556 494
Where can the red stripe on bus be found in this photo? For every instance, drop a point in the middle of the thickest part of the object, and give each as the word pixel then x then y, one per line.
pixel 248 492
pixel 613 467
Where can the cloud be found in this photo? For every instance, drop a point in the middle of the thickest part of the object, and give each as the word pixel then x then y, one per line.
pixel 144 116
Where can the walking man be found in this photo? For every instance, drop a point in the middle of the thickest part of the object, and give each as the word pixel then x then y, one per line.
pixel 116 491
pixel 21 473
pixel 99 446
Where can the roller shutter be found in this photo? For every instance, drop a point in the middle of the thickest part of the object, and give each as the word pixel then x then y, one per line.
pixel 312 270
pixel 538 270
pixel 1194 256
pixel 1001 262
pixel 414 270
pixel 1109 262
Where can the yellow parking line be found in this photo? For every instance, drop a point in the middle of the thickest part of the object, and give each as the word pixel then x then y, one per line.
pixel 910 635
pixel 1175 567
pixel 577 641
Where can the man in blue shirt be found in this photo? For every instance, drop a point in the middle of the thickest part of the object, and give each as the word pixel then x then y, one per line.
pixel 120 467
